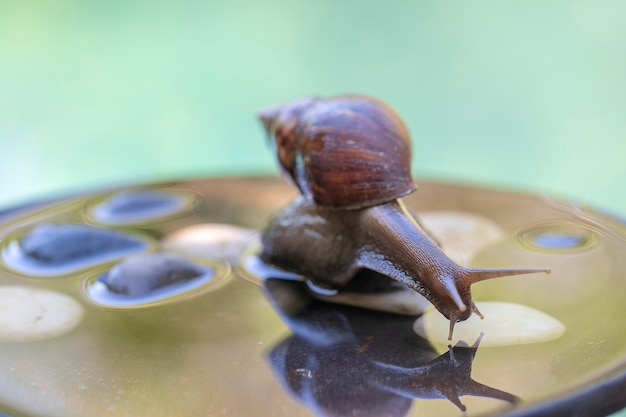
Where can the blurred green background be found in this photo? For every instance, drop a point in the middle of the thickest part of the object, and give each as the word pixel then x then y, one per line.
pixel 529 95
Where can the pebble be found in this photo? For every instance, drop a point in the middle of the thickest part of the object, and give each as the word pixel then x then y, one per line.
pixel 59 243
pixel 217 239
pixel 461 235
pixel 504 324
pixel 154 279
pixel 126 207
pixel 142 274
pixel 55 249
pixel 403 301
pixel 30 314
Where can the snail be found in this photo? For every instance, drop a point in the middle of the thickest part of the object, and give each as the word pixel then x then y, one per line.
pixel 350 158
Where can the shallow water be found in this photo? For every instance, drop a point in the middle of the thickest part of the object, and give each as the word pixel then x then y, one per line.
pixel 229 344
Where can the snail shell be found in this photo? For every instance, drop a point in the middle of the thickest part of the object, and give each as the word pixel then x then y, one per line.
pixel 347 152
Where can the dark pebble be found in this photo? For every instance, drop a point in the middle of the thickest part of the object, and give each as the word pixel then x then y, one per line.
pixel 57 244
pixel 142 274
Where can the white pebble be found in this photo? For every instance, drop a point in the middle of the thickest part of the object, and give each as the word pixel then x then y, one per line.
pixel 461 235
pixel 29 314
pixel 504 324
pixel 216 239
pixel 400 302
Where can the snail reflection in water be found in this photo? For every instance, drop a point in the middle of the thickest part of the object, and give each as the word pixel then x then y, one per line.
pixel 344 361
pixel 350 158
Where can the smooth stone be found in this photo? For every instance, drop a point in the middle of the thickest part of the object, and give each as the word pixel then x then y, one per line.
pixel 217 239
pixel 142 274
pixel 56 244
pixel 403 301
pixel 504 324
pixel 29 314
pixel 461 235
pixel 127 207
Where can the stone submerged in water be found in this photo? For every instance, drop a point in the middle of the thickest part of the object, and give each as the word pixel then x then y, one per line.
pixel 57 244
pixel 29 314
pixel 217 239
pixel 504 324
pixel 57 249
pixel 460 235
pixel 126 207
pixel 143 274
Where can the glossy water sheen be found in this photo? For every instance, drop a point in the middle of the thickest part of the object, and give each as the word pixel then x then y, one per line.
pixel 235 346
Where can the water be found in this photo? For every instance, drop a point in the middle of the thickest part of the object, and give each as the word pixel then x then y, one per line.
pixel 558 237
pixel 186 306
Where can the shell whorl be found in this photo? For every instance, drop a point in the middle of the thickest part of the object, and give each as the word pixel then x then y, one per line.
pixel 345 152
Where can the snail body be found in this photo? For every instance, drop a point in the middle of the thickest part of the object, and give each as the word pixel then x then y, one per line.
pixel 350 158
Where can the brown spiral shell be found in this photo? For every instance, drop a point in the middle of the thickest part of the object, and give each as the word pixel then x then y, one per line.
pixel 345 152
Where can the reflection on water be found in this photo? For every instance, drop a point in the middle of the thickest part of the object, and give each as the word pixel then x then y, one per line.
pixel 344 361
